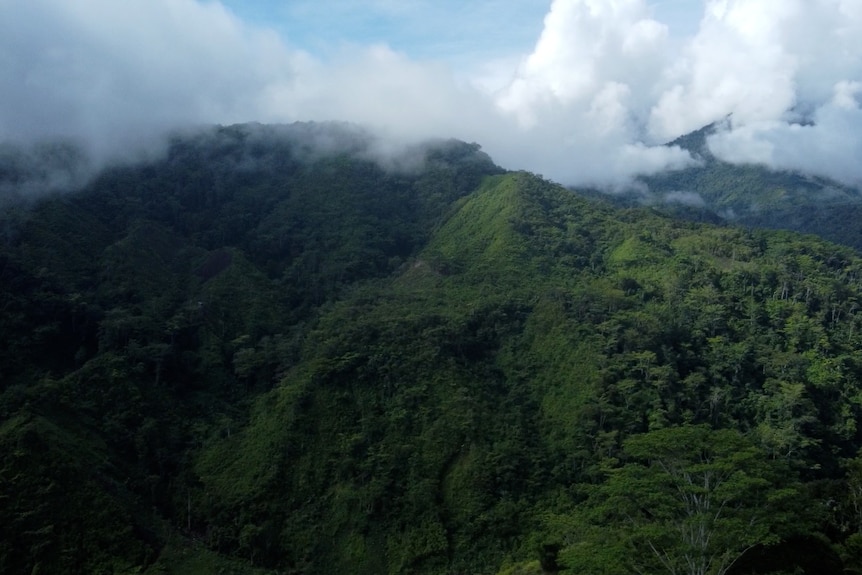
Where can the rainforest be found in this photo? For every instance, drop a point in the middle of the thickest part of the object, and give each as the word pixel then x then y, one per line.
pixel 273 350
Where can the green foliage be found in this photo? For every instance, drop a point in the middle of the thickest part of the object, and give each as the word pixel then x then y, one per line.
pixel 694 500
pixel 266 351
pixel 64 509
pixel 757 196
pixel 186 557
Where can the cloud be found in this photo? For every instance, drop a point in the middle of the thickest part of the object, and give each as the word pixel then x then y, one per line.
pixel 382 89
pixel 587 88
pixel 786 73
pixel 115 73
pixel 690 199
pixel 605 84
pixel 736 63
pixel 830 145
pixel 27 172
pixel 816 127
pixel 587 49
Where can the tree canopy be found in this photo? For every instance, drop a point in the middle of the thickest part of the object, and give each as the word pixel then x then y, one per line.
pixel 267 351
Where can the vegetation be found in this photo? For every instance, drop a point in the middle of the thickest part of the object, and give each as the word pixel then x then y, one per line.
pixel 753 195
pixel 267 352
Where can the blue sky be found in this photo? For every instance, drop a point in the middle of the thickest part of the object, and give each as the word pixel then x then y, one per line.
pixel 465 34
pixel 582 91
pixel 443 29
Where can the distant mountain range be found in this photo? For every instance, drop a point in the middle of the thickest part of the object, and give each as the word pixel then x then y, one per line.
pixel 756 196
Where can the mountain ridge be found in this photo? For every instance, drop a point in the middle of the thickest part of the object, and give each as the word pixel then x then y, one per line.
pixel 754 195
pixel 314 364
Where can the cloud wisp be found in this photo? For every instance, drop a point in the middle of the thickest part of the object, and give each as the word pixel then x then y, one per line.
pixel 605 84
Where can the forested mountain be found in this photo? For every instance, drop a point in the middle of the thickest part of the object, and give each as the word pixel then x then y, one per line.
pixel 270 351
pixel 756 196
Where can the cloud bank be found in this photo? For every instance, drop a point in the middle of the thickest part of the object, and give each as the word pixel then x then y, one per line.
pixel 604 86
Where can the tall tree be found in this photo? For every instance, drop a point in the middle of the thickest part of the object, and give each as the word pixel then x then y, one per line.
pixel 693 500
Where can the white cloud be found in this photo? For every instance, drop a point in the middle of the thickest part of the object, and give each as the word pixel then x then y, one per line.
pixel 737 63
pixel 605 70
pixel 584 92
pixel 830 146
pixel 586 46
pixel 605 83
pixel 691 199
pixel 115 72
pixel 799 108
pixel 382 89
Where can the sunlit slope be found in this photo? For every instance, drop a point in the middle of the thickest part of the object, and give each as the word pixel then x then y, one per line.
pixel 438 421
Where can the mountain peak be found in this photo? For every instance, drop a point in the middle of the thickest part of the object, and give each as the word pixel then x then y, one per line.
pixel 695 142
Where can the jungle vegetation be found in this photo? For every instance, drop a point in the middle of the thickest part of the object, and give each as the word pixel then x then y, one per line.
pixel 269 352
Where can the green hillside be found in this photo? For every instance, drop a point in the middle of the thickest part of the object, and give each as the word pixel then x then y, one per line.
pixel 757 196
pixel 745 189
pixel 266 354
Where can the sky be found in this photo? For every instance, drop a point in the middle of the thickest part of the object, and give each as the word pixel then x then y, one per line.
pixel 584 92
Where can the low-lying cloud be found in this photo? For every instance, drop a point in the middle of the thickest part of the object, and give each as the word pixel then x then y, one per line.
pixel 605 85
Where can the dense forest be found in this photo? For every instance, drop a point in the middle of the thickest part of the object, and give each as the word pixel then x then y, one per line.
pixel 751 195
pixel 272 351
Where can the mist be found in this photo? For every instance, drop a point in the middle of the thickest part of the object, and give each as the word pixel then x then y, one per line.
pixel 606 84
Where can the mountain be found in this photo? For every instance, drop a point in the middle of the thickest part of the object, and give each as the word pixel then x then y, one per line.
pixel 757 196
pixel 275 350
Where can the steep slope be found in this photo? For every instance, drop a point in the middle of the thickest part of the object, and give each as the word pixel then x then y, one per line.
pixel 160 298
pixel 442 421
